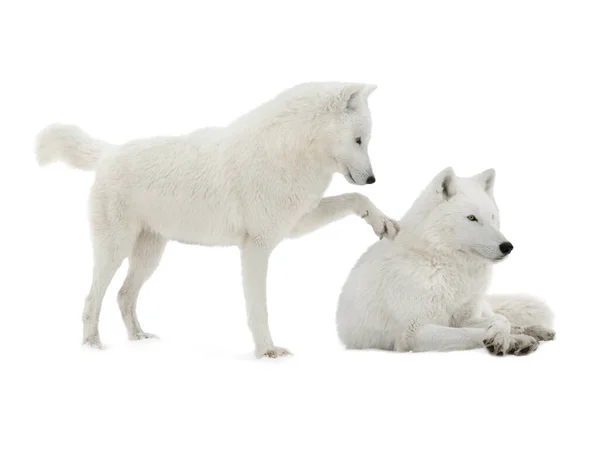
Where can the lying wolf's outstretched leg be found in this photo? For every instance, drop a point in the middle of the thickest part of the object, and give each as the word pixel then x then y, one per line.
pixel 255 261
pixel 332 208
pixel 500 337
pixel 440 338
pixel 540 333
pixel 144 259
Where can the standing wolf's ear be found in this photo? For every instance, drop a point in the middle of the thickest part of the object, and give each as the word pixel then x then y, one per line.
pixel 486 179
pixel 352 96
pixel 368 90
pixel 445 183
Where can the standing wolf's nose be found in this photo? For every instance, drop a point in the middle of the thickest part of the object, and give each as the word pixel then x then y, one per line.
pixel 371 180
pixel 506 248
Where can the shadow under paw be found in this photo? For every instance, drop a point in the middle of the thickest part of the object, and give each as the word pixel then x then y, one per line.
pixel 273 353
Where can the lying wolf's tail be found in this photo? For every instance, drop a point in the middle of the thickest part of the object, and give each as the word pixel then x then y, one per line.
pixel 70 144
pixel 522 310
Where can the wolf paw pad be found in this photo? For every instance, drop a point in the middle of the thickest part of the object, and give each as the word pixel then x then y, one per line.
pixel 522 345
pixel 498 344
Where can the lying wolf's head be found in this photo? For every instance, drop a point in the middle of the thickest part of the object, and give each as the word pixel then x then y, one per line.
pixel 462 213
pixel 352 133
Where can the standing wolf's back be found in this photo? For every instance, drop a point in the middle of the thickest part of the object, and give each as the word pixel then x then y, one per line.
pixel 180 187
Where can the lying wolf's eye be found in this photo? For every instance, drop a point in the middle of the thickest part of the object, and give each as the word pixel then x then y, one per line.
pixel 471 218
pixel 358 140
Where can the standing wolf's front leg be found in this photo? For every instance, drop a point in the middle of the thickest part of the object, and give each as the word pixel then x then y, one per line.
pixel 255 261
pixel 336 207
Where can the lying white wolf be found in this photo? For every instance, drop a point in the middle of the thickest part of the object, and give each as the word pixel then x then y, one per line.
pixel 250 184
pixel 425 290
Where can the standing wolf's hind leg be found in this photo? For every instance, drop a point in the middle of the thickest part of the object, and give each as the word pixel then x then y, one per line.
pixel 143 260
pixel 106 262
pixel 112 242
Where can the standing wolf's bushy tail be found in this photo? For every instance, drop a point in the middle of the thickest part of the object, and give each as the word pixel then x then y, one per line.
pixel 69 144
pixel 522 310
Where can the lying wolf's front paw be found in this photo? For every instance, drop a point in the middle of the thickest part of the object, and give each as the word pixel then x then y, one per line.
pixel 272 352
pixel 497 344
pixel 522 345
pixel 540 333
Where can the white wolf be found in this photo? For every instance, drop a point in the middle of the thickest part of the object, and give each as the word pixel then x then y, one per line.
pixel 250 184
pixel 425 290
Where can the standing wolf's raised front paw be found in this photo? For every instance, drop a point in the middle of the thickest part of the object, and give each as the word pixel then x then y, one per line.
pixel 383 226
pixel 272 352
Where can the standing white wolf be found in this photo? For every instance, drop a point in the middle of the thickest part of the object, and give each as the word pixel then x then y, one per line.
pixel 250 184
pixel 425 290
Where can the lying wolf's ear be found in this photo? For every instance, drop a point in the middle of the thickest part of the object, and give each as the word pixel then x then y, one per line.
pixel 445 183
pixel 486 179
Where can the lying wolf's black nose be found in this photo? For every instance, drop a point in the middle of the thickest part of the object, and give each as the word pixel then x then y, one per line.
pixel 371 180
pixel 506 248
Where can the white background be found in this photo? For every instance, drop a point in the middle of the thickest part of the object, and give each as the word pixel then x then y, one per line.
pixel 513 85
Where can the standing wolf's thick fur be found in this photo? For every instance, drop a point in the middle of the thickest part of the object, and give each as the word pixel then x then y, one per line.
pixel 425 290
pixel 250 184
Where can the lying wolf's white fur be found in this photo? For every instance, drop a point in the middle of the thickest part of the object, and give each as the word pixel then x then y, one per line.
pixel 250 184
pixel 425 290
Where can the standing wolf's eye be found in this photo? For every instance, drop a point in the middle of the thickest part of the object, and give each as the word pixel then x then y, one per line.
pixel 358 140
pixel 472 218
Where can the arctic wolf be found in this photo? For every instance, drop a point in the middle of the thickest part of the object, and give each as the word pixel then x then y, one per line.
pixel 425 290
pixel 250 184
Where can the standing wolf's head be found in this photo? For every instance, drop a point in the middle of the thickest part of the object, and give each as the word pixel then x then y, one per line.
pixel 461 213
pixel 329 118
pixel 353 133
